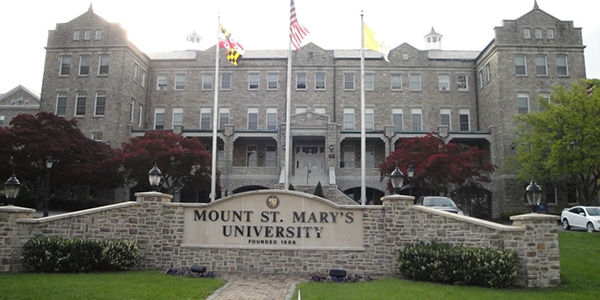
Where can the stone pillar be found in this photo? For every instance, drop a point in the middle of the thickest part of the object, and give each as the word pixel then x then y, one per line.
pixel 10 249
pixel 150 228
pixel 539 251
pixel 396 226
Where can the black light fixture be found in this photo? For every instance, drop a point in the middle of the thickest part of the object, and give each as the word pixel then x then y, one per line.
pixel 154 177
pixel 11 189
pixel 331 148
pixel 410 173
pixel 533 194
pixel 396 177
pixel 49 162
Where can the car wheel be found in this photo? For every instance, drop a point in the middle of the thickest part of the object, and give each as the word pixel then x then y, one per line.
pixel 589 227
pixel 566 225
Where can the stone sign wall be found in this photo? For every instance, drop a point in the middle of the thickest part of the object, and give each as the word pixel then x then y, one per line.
pixel 276 231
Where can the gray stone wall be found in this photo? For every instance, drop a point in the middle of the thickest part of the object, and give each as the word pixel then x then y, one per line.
pixel 158 225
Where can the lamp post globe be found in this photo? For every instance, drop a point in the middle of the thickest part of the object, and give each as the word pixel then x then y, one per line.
pixel 49 162
pixel 533 194
pixel 11 189
pixel 410 174
pixel 154 177
pixel 396 178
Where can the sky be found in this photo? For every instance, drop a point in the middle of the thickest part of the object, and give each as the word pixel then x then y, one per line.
pixel 263 25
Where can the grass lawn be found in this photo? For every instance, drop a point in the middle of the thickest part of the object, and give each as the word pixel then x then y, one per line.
pixel 580 277
pixel 579 274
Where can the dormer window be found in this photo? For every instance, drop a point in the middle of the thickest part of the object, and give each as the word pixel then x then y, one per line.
pixel 76 35
pixel 86 35
pixel 526 33
pixel 98 34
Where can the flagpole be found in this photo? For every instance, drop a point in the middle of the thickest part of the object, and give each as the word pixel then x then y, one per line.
pixel 288 110
pixel 213 175
pixel 363 140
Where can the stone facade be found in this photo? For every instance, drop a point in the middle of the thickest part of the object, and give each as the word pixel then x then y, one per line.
pixel 474 93
pixel 158 225
pixel 19 100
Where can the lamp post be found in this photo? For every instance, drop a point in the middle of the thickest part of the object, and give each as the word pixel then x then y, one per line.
pixel 11 189
pixel 533 194
pixel 396 177
pixel 49 162
pixel 410 173
pixel 154 177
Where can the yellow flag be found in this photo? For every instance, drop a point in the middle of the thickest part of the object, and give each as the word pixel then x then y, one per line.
pixel 369 38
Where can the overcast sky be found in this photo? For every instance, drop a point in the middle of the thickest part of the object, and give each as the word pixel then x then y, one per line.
pixel 263 24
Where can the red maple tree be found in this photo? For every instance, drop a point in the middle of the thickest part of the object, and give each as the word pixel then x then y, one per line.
pixel 439 167
pixel 183 162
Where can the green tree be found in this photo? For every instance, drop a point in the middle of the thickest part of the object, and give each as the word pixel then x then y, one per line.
pixel 561 143
pixel 319 190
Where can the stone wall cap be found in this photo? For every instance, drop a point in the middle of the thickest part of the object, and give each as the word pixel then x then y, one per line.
pixel 15 209
pixel 534 216
pixel 468 219
pixel 83 212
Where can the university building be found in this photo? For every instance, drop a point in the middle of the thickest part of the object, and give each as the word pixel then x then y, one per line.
pixel 95 74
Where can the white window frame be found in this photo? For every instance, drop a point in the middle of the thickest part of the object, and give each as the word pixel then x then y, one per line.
pixel 520 98
pixel 301 81
pixel 100 104
pixel 162 82
pixel 103 64
pixel 271 119
pixel 252 123
pixel 208 81
pixel 398 126
pixel 76 35
pixel 80 104
pixel 526 33
pixel 416 114
pixel 415 82
pixel 444 82
pixel 550 33
pixel 98 34
pixel 320 81
pixel 65 65
pixel 132 111
pixel 520 65
pixel 225 81
pixel 348 81
pixel 559 65
pixel 159 111
pixel 177 116
pixel 205 118
pixel 541 61
pixel 369 82
pixel 272 81
pixel 61 104
pixel 396 82
pixel 349 119
pixel 224 117
pixel 369 118
pixel 461 113
pixel 254 81
pixel 446 112
pixel 84 64
pixel 460 84
pixel 179 84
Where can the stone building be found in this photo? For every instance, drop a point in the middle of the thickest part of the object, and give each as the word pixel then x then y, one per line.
pixel 19 100
pixel 115 91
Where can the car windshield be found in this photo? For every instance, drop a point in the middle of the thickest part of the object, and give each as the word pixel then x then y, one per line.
pixel 594 211
pixel 438 201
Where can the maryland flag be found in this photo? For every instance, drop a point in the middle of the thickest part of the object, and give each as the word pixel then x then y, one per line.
pixel 235 51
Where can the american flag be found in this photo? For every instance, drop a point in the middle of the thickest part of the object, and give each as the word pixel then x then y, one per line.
pixel 297 31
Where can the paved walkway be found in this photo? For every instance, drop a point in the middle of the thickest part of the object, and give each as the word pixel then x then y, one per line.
pixel 246 286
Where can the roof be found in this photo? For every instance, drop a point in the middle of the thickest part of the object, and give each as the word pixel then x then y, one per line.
pixel 453 54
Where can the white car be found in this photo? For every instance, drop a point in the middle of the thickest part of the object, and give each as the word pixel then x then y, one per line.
pixel 441 203
pixel 584 217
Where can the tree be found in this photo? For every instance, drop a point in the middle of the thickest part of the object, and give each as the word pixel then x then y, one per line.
pixel 439 167
pixel 30 139
pixel 561 142
pixel 319 190
pixel 183 162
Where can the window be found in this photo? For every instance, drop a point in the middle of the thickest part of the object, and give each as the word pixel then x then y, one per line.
pixel 159 118
pixel 546 97
pixel 103 65
pixel 321 110
pixel 2 119
pixel 271 156
pixel 179 82
pixel 135 71
pixel 320 81
pixel 87 34
pixel 369 84
pixel 488 72
pixel 177 116
pixel 416 119
pixel 445 117
pixel 551 193
pixel 272 81
pixel 540 65
pixel 415 82
pixel 271 118
pixel 348 81
pixel 252 118
pixel 143 81
pixel 161 82
pixel 76 35
pixel 132 111
pixel 301 81
pixel 225 81
pixel 396 82
pixel 253 81
pixel 97 136
pixel 65 66
pixel 538 33
pixel 207 82
pixel 348 158
pixel 80 100
pixel 300 110
pixel 463 119
pixel 98 34
pixel 100 107
pixel 397 119
pixel 205 119
pixel 61 104
pixel 369 119
pixel 223 117
pixel 550 33
pixel 562 68
pixel 140 115
pixel 444 82
pixel 84 65
pixel 526 33
pixel 462 82
pixel 480 79
pixel 251 155
pixel 520 65
pixel 523 103
pixel 348 118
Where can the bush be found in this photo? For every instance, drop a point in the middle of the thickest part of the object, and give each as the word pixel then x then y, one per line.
pixel 319 190
pixel 52 254
pixel 444 263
